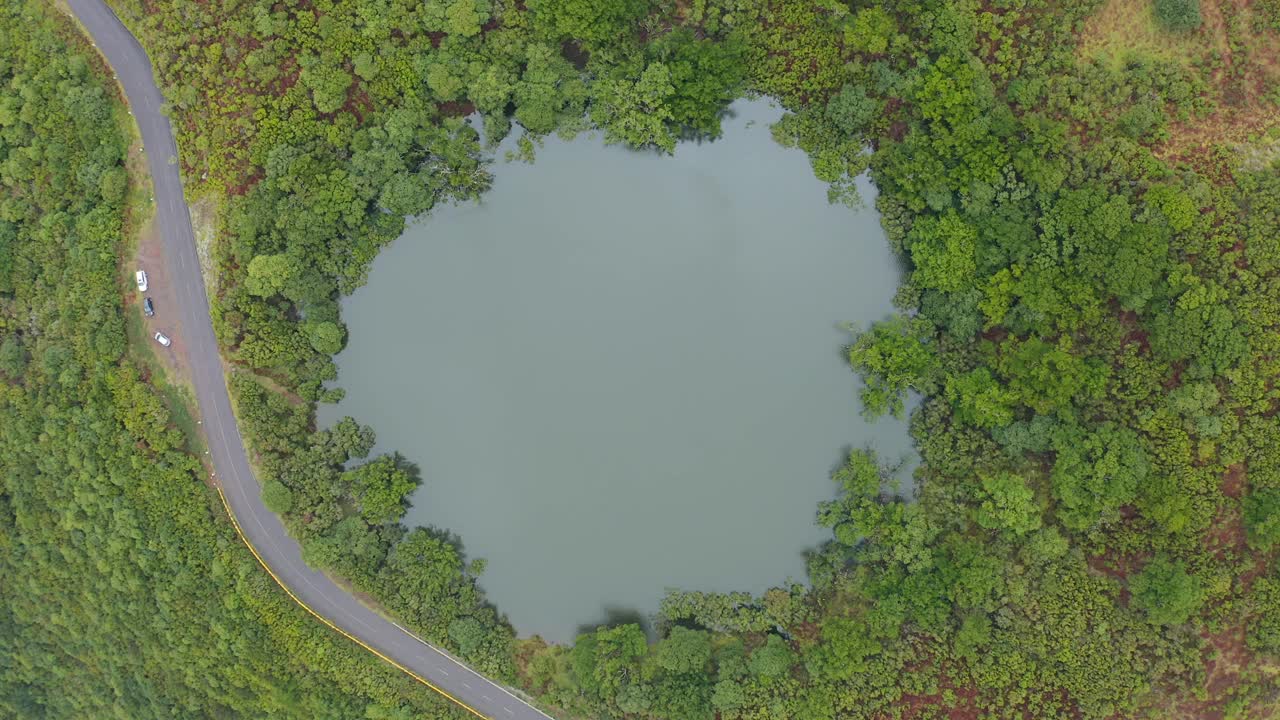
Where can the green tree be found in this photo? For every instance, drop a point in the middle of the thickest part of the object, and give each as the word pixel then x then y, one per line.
pixel 1262 518
pixel 981 400
pixel 773 659
pixel 637 112
pixel 872 30
pixel 591 21
pixel 269 274
pixel 381 488
pixel 892 357
pixel 851 110
pixel 1096 473
pixel 1166 591
pixel 1009 505
pixel 327 82
pixel 326 337
pixel 944 252
pixel 684 650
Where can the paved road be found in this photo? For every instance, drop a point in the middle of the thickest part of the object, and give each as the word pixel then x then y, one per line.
pixel 263 529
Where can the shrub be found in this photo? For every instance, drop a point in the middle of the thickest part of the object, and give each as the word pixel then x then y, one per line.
pixel 277 497
pixel 1178 15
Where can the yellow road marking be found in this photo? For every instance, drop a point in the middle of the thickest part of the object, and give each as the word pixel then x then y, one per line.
pixel 326 621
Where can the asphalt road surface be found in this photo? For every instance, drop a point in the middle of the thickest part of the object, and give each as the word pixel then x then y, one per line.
pixel 263 529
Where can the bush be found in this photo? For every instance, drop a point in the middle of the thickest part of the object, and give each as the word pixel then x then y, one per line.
pixel 277 497
pixel 1178 15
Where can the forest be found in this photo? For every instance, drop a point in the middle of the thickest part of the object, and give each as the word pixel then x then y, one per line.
pixel 1090 215
pixel 124 591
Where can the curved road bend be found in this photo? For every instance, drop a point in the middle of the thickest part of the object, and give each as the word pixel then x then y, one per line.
pixel 263 529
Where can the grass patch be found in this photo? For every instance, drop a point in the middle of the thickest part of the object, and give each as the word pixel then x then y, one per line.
pixel 1126 27
pixel 1235 51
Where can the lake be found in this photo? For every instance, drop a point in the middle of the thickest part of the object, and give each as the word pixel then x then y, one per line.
pixel 622 372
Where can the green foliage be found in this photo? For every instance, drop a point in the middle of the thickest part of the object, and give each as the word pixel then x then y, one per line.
pixel 684 651
pixel 1091 332
pixel 872 31
pixel 462 18
pixel 705 75
pixel 1178 15
pixel 893 357
pixel 593 22
pixel 773 660
pixel 1262 518
pixel 277 497
pixel 851 110
pixel 1096 473
pixel 381 487
pixel 944 253
pixel 636 112
pixel 1009 505
pixel 127 593
pixel 1166 591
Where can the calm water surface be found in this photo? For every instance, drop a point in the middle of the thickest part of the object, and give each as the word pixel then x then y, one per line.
pixel 622 372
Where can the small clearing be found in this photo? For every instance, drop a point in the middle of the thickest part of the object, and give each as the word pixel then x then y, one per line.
pixel 1236 51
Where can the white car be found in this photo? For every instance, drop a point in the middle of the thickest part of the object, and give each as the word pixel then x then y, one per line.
pixel 163 339
pixel 141 278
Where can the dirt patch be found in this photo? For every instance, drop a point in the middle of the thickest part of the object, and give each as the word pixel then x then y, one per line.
pixel 951 702
pixel 1226 657
pixel 151 258
pixel 1233 481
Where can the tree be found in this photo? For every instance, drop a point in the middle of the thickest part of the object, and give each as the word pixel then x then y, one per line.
pixel 594 22
pixel 980 400
pixel 604 661
pixel 13 357
pixel 1096 473
pixel 468 634
pixel 636 112
pixel 327 82
pixel 705 76
pixel 773 660
pixel 944 252
pixel 851 110
pixel 1262 518
pixel 269 274
pixel 684 650
pixel 1009 505
pixel 1166 591
pixel 381 487
pixel 326 337
pixel 456 17
pixel 871 31
pixel 728 695
pixel 892 357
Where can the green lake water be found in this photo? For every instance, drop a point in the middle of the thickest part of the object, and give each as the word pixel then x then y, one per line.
pixel 622 372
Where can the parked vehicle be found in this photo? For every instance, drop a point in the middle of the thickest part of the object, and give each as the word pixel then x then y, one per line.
pixel 148 307
pixel 163 339
pixel 141 278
